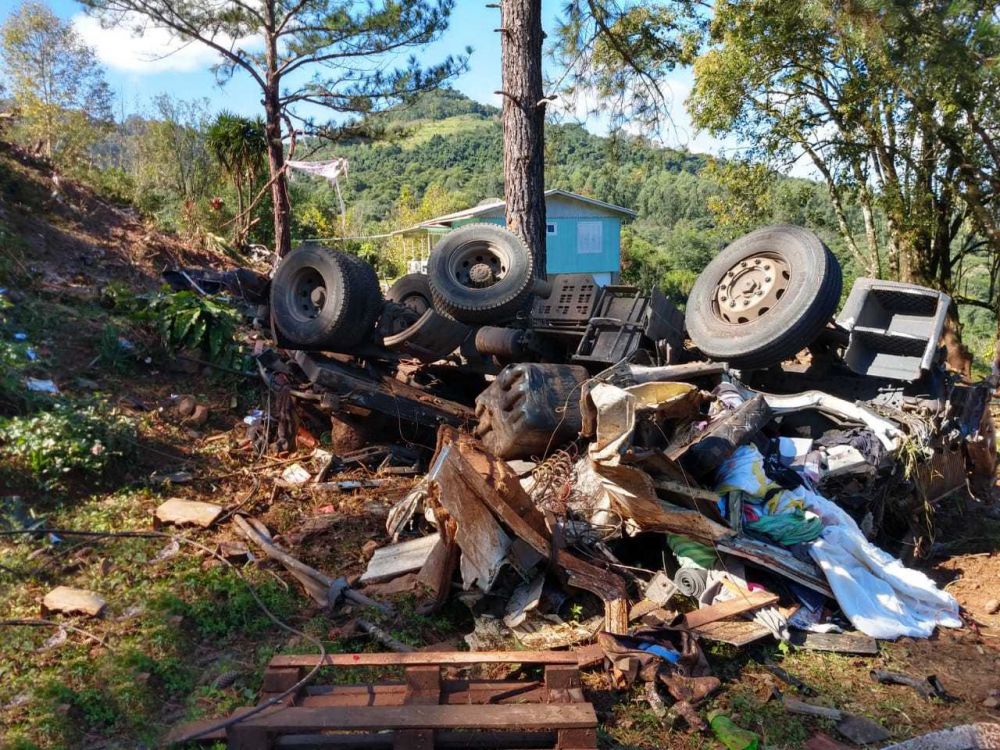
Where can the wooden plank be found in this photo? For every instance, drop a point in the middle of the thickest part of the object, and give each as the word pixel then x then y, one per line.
pixel 426 658
pixel 843 643
pixel 733 632
pixel 483 542
pixel 443 740
pixel 396 559
pixel 634 494
pixel 457 692
pixel 753 600
pixel 778 560
pixel 608 586
pixel 513 716
pixel 423 688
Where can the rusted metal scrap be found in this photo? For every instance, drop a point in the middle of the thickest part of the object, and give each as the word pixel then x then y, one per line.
pixel 354 390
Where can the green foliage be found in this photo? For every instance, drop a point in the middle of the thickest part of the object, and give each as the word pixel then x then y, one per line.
pixel 71 438
pixel 239 144
pixel 58 86
pixel 622 52
pixel 115 352
pixel 188 321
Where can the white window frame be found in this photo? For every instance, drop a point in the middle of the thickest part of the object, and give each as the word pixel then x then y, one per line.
pixel 599 234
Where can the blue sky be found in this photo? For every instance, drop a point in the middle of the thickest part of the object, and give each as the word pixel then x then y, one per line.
pixel 140 68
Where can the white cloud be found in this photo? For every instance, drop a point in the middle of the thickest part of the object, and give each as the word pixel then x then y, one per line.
pixel 152 50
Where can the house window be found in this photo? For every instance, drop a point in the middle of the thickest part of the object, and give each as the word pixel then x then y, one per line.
pixel 550 228
pixel 589 237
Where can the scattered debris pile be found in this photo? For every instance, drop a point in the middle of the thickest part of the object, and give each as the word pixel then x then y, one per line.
pixel 609 470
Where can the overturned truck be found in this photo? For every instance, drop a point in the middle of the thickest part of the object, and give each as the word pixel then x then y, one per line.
pixel 480 342
pixel 592 464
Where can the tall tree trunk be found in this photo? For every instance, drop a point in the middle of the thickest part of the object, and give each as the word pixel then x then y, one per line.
pixel 275 148
pixel 279 180
pixel 524 124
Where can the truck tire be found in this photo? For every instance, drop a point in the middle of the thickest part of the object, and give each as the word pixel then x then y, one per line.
pixel 412 290
pixel 764 298
pixel 325 300
pixel 480 273
pixel 430 338
pixel 364 277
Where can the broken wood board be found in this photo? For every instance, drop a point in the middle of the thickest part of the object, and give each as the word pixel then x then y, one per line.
pixel 733 632
pixel 483 542
pixel 396 559
pixel 704 501
pixel 537 633
pixel 777 560
pixel 634 492
pixel 842 643
pixel 71 601
pixel 498 475
pixel 723 610
pixel 607 586
pixel 187 513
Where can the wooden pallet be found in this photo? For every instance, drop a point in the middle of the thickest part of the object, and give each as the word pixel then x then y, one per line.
pixel 426 710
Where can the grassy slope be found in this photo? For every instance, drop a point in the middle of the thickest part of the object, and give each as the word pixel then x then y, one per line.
pixel 177 621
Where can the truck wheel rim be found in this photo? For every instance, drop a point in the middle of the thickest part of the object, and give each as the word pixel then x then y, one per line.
pixel 416 302
pixel 751 288
pixel 478 265
pixel 306 294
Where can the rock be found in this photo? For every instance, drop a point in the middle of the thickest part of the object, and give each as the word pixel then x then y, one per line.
pixel 368 549
pixel 991 702
pixel 72 601
pixel 187 512
pixel 992 607
pixel 185 406
pixel 235 552
pixel 295 474
pixel 199 416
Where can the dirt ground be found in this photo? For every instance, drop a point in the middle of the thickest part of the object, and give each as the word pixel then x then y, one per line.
pixel 184 640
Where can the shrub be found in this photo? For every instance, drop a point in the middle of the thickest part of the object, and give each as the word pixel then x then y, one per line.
pixel 186 320
pixel 70 438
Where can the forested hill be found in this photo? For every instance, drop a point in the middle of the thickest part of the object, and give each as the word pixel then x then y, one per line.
pixel 453 143
pixel 444 153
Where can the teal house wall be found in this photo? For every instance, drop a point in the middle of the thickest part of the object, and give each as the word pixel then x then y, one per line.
pixel 582 235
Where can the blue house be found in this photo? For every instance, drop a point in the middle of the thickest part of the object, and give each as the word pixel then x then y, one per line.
pixel 582 235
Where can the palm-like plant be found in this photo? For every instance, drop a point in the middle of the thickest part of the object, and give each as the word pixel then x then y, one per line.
pixel 240 146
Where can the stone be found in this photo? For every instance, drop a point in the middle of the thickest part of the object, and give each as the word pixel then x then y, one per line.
pixel 187 512
pixel 992 607
pixel 199 416
pixel 991 702
pixel 185 406
pixel 73 601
